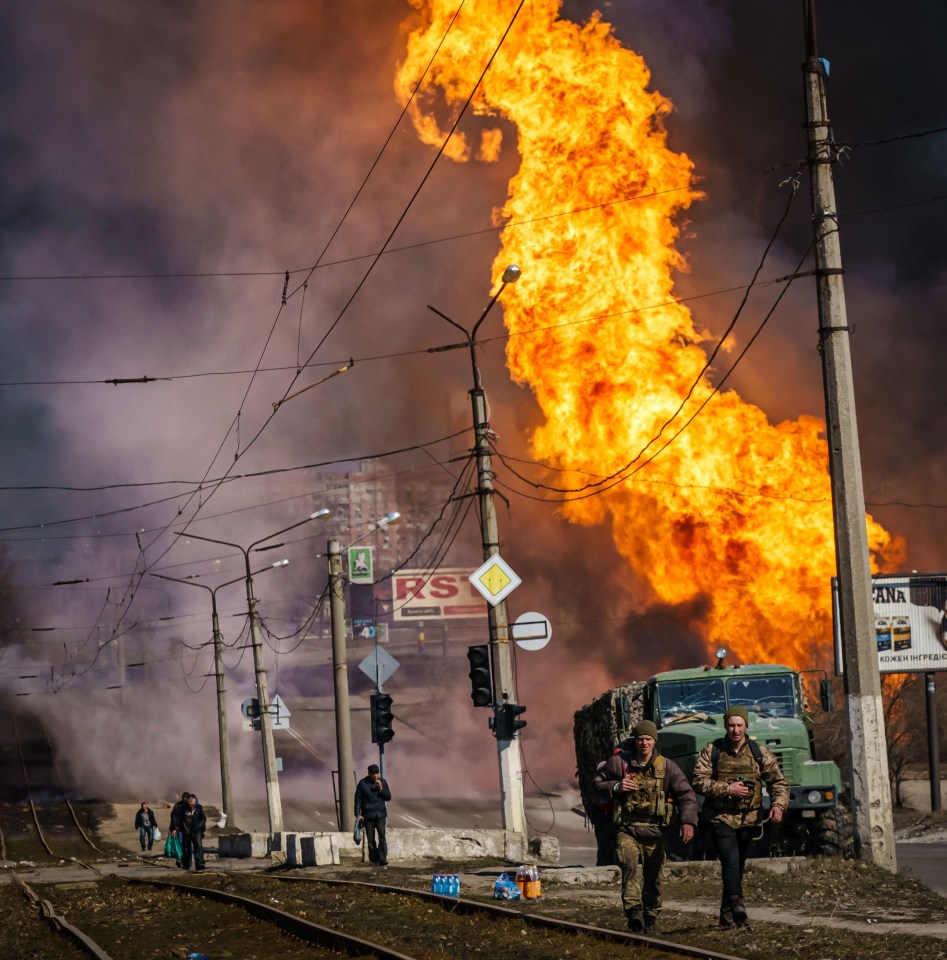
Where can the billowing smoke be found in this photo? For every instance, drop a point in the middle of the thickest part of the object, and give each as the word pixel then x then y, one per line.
pixel 202 150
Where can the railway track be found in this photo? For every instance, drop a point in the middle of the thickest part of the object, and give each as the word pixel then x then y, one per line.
pixel 38 820
pixel 296 918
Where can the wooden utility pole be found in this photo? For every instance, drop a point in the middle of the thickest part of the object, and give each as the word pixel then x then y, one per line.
pixel 871 791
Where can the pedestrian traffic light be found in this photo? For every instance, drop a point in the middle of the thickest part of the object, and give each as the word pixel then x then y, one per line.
pixel 505 724
pixel 381 717
pixel 481 689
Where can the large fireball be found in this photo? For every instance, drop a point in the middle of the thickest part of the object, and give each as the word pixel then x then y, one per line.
pixel 735 509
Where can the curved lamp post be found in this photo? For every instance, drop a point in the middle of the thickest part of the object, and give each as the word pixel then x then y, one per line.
pixel 274 804
pixel 223 739
pixel 509 758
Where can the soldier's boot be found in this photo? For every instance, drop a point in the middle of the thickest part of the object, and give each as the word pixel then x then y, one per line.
pixel 650 924
pixel 635 919
pixel 726 916
pixel 739 911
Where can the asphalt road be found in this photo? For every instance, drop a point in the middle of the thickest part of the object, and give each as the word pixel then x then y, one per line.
pixel 926 862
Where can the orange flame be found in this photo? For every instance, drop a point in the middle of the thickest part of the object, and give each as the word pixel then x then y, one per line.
pixel 735 508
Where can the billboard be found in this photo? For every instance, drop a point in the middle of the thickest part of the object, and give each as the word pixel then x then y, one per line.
pixel 444 594
pixel 910 622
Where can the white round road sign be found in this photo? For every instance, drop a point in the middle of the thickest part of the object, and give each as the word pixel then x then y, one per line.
pixel 531 631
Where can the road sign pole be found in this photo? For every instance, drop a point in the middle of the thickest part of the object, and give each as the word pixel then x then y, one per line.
pixel 508 751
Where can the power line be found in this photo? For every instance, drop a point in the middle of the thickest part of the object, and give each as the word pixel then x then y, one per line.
pixel 606 482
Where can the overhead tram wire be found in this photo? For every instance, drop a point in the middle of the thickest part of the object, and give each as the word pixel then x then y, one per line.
pixel 283 302
pixel 401 354
pixel 394 229
pixel 440 548
pixel 251 475
pixel 98 515
pixel 276 320
pixel 223 274
pixel 606 482
pixel 131 589
pixel 616 479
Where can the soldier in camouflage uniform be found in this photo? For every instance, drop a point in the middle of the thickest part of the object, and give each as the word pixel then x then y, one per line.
pixel 730 773
pixel 650 792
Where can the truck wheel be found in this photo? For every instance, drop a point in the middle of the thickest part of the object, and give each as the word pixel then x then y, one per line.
pixel 832 834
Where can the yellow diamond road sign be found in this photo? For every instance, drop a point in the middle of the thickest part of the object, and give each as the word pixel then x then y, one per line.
pixel 495 580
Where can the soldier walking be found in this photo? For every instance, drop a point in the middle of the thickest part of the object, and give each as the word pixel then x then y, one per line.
pixel 730 773
pixel 650 794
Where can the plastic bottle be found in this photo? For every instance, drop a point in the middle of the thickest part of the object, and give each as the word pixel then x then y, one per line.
pixel 436 883
pixel 453 887
pixel 535 883
pixel 521 880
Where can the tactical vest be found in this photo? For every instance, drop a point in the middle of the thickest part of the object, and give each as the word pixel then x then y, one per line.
pixel 746 767
pixel 649 803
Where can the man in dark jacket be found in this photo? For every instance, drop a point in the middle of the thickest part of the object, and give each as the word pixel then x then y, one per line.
pixel 190 822
pixel 650 794
pixel 145 823
pixel 371 810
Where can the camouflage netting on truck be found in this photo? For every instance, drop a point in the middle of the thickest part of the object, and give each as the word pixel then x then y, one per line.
pixel 598 728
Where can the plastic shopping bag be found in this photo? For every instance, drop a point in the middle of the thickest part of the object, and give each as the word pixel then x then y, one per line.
pixel 156 834
pixel 505 889
pixel 172 847
pixel 357 836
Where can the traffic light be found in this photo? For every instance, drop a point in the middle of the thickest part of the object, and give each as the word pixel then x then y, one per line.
pixel 381 718
pixel 481 689
pixel 505 723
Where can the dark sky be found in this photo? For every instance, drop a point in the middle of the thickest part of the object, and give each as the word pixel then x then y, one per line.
pixel 201 149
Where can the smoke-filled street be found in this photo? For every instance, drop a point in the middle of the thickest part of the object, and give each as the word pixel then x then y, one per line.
pixel 244 251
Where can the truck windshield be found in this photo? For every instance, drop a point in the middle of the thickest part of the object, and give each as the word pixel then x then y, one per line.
pixel 772 696
pixel 679 700
pixel 766 696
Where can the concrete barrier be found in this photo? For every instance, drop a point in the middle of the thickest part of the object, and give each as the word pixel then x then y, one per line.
pixel 306 849
pixel 242 845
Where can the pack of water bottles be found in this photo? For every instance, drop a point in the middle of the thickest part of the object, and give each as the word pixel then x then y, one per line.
pixel 446 884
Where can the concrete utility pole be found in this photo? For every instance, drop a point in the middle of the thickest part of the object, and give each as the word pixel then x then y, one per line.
pixel 343 723
pixel 871 792
pixel 501 659
pixel 274 803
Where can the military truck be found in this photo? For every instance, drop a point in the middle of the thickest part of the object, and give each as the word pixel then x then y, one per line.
pixel 687 707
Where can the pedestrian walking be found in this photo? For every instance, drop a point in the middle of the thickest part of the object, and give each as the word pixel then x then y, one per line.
pixel 652 796
pixel 189 823
pixel 730 773
pixel 146 823
pixel 371 809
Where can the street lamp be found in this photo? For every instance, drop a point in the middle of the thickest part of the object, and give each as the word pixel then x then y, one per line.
pixel 343 724
pixel 274 804
pixel 510 762
pixel 226 785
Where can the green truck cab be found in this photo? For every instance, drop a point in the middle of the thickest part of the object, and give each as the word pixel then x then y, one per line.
pixel 687 707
